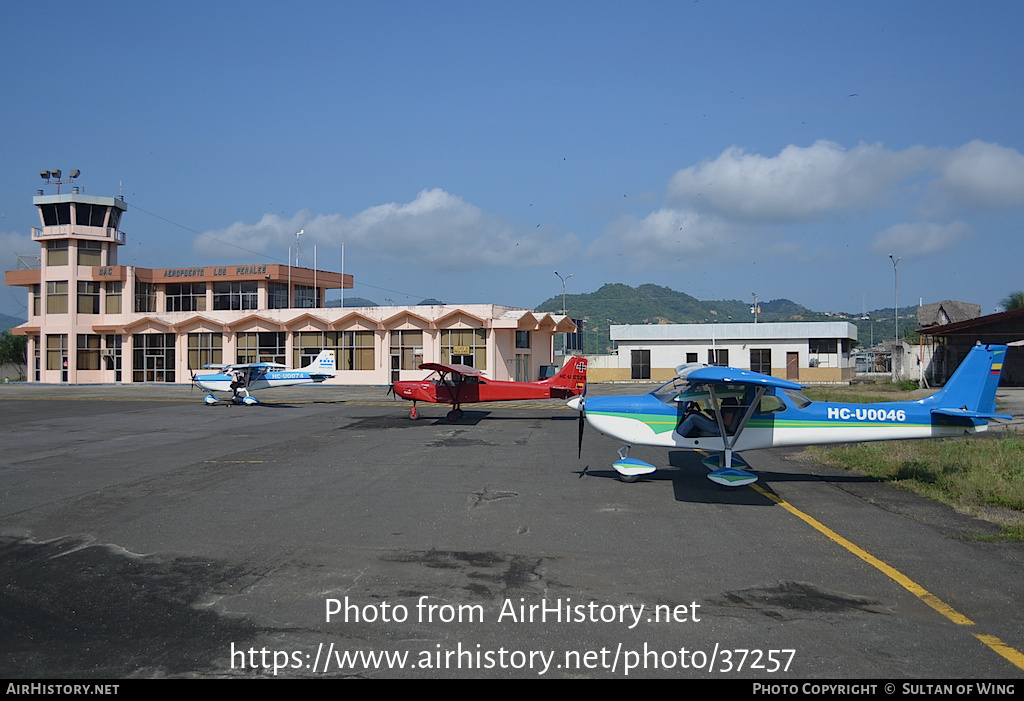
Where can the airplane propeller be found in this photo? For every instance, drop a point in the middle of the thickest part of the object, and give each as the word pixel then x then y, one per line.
pixel 579 404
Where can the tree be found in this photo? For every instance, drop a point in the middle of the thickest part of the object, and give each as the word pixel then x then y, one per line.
pixel 12 349
pixel 1014 301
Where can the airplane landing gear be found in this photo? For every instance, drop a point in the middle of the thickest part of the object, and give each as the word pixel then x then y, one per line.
pixel 414 413
pixel 455 414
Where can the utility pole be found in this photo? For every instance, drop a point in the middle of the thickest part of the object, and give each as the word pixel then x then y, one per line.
pixel 896 311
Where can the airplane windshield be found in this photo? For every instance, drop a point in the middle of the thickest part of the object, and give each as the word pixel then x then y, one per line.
pixel 668 392
pixel 799 400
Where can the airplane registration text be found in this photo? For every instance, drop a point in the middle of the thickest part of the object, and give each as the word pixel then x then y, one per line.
pixel 846 413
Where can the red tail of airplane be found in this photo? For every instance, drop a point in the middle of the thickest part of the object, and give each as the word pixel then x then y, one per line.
pixel 571 379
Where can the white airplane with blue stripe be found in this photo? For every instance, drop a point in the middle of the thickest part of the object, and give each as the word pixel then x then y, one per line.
pixel 241 379
pixel 725 410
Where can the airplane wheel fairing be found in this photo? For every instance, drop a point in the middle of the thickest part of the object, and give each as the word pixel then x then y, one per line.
pixel 414 414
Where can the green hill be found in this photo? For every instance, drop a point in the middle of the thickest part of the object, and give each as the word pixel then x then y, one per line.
pixel 616 303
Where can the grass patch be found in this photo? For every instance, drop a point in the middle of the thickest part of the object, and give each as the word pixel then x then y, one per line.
pixel 861 394
pixel 972 474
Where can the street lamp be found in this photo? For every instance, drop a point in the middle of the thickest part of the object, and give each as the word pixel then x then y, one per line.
pixel 563 279
pixel 896 303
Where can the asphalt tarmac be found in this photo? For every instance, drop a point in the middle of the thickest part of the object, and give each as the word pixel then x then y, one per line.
pixel 324 534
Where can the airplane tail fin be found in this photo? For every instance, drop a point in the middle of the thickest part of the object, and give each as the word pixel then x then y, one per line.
pixel 323 364
pixel 572 377
pixel 971 391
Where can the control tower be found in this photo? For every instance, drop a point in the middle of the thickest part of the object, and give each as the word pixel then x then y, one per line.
pixel 79 237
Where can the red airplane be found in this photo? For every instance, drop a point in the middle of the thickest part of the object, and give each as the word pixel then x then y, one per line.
pixel 462 384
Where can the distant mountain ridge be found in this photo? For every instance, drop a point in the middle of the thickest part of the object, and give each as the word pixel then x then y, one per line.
pixel 653 304
pixel 616 303
pixel 9 322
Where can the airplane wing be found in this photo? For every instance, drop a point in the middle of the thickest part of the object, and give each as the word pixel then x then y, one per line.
pixel 714 374
pixel 461 369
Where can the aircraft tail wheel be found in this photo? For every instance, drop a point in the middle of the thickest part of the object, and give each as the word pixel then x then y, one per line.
pixel 414 413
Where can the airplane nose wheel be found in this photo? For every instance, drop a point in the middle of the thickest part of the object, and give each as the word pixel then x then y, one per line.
pixel 414 413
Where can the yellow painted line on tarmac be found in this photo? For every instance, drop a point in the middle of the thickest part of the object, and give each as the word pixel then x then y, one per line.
pixel 890 571
pixel 1012 655
pixel 1002 648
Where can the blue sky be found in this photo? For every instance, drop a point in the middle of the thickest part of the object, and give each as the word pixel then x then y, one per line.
pixel 466 150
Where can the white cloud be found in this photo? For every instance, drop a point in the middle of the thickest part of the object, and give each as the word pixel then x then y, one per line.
pixel 920 239
pixel 436 229
pixel 12 245
pixel 979 175
pixel 800 182
pixel 667 238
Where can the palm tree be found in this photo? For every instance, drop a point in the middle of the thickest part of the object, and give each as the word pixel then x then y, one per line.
pixel 1014 301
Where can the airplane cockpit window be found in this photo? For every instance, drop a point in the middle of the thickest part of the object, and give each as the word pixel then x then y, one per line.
pixel 799 400
pixel 668 392
pixel 770 402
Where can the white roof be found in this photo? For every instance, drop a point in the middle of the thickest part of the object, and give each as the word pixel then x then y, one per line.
pixel 734 332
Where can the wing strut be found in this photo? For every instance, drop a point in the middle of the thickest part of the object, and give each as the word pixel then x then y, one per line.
pixel 726 474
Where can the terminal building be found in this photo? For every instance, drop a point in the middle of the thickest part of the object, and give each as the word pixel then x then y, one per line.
pixel 805 352
pixel 92 319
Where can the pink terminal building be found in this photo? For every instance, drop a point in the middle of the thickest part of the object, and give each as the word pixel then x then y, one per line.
pixel 92 319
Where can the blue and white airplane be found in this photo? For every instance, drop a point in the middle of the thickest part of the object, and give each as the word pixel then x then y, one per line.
pixel 725 410
pixel 240 379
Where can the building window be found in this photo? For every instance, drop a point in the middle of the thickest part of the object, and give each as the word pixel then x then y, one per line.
pixel 88 357
pixel 56 253
pixel 37 304
pixel 204 349
pixel 186 297
pixel 761 360
pixel 261 347
pixel 691 357
pixel 89 298
pixel 90 253
pixel 640 364
pixel 464 347
pixel 356 352
pixel 522 368
pixel 112 354
pixel 408 347
pixel 56 351
pixel 823 353
pixel 307 297
pixel 57 297
pixel 113 303
pixel 56 214
pixel 153 357
pixel 522 339
pixel 90 215
pixel 145 297
pixel 718 356
pixel 306 346
pixel 235 295
pixel 277 295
